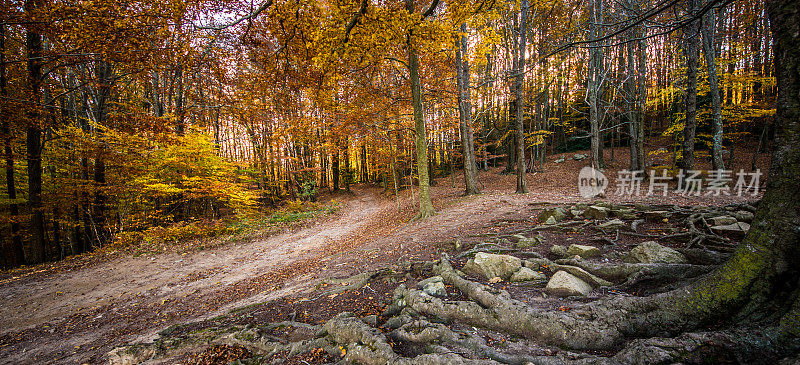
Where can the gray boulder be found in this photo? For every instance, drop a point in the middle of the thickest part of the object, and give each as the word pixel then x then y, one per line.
pixel 558 214
pixel 558 251
pixel 564 284
pixel 526 274
pixel 492 265
pixel 722 220
pixel 596 212
pixel 656 215
pixel 744 216
pixel 435 289
pixel 525 242
pixel 651 252
pixel 582 251
pixel 739 228
pixel 560 160
pixel 579 156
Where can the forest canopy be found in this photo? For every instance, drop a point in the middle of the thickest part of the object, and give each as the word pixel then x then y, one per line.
pixel 119 117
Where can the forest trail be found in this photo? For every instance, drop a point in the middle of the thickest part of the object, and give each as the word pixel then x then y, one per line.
pixel 70 312
pixel 78 316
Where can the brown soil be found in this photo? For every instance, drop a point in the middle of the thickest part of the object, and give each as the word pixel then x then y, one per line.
pixel 67 313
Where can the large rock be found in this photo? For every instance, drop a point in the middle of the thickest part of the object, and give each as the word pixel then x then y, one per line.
pixel 613 224
pixel 651 252
pixel 743 216
pixel 722 220
pixel 492 265
pixel 558 214
pixel 525 242
pixel 583 251
pixel 435 289
pixel 526 274
pixel 739 228
pixel 564 284
pixel 579 156
pixel 560 160
pixel 656 215
pixel 596 212
pixel 558 251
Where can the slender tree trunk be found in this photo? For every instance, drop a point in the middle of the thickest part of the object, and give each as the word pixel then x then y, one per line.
pixel 104 77
pixel 15 255
pixel 691 50
pixel 522 186
pixel 464 108
pixel 335 170
pixel 709 51
pixel 641 96
pixel 420 139
pixel 595 85
pixel 34 141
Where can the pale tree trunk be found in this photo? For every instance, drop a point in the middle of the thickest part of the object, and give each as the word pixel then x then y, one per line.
pixel 464 109
pixel 709 51
pixel 641 98
pixel 420 140
pixel 691 51
pixel 595 85
pixel 635 90
pixel 522 186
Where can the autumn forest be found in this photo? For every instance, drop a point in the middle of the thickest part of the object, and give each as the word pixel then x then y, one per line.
pixel 146 133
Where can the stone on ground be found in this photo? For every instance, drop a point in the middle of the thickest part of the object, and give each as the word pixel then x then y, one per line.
pixel 525 242
pixel 743 216
pixel 723 220
pixel 435 289
pixel 651 252
pixel 582 251
pixel 491 265
pixel 735 228
pixel 558 214
pixel 579 156
pixel 596 212
pixel 526 274
pixel 558 251
pixel 564 284
pixel 656 215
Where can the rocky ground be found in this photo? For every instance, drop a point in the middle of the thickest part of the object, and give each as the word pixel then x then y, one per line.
pixel 457 309
pixel 193 306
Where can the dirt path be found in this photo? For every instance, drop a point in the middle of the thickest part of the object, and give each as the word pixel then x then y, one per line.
pixel 77 316
pixel 64 316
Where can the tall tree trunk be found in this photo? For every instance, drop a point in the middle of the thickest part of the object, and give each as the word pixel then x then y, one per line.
pixel 335 169
pixel 34 139
pixel 420 138
pixel 691 51
pixel 595 85
pixel 464 109
pixel 641 95
pixel 15 255
pixel 522 186
pixel 709 51
pixel 104 78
